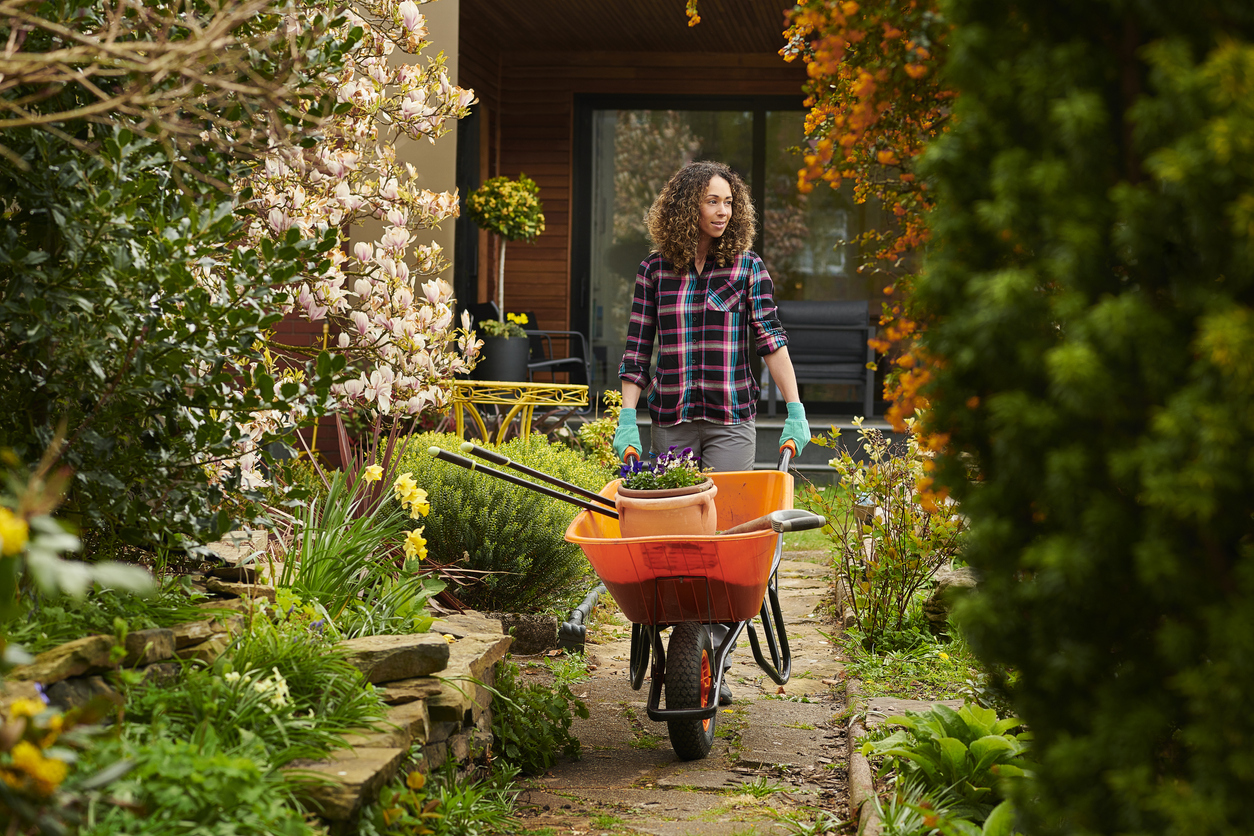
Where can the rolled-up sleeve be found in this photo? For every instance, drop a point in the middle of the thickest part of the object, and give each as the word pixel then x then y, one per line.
pixel 768 332
pixel 642 328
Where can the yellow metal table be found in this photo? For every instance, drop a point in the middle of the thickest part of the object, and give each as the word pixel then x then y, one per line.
pixel 522 398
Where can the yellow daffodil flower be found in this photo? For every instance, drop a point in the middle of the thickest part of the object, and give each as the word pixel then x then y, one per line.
pixel 373 473
pixel 14 532
pixel 415 545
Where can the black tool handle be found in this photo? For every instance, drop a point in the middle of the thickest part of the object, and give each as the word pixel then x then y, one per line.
pixel 470 464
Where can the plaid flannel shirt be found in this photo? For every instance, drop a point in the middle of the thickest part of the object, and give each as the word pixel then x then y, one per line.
pixel 700 324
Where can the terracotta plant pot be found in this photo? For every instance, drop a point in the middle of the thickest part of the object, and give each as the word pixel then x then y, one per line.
pixel 674 512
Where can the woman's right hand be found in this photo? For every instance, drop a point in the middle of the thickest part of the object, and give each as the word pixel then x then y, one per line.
pixel 627 436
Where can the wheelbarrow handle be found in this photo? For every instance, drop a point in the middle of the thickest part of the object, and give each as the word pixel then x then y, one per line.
pixel 788 519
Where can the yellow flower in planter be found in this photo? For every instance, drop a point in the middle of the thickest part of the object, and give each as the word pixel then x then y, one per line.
pixel 415 544
pixel 373 473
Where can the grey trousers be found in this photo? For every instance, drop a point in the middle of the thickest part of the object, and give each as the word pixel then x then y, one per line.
pixel 721 447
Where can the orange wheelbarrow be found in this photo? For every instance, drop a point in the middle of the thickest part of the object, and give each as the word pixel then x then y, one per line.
pixel 691 583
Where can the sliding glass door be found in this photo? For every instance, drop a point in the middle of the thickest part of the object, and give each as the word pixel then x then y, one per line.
pixel 626 154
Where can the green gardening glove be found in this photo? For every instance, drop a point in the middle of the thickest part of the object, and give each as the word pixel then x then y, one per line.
pixel 796 428
pixel 628 434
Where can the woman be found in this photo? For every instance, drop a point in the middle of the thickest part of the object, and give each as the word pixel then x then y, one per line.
pixel 703 294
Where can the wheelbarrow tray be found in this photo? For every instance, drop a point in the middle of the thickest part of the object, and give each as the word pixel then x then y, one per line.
pixel 667 580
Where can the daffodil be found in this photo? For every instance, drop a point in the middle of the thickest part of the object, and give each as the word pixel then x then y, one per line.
pixel 45 773
pixel 415 544
pixel 373 473
pixel 26 708
pixel 14 532
pixel 404 486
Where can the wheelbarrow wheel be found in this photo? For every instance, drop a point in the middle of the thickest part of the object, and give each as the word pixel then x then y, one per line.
pixel 690 684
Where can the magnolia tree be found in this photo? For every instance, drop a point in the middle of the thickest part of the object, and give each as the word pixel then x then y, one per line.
pixel 394 318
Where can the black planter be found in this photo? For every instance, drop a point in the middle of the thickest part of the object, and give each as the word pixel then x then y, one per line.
pixel 502 358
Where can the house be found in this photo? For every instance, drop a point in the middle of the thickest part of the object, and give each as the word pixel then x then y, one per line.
pixel 600 103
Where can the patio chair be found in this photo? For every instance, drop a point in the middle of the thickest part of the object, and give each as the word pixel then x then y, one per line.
pixel 828 344
pixel 576 363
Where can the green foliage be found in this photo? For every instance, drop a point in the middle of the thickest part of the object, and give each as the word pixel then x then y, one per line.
pixel 198 784
pixel 107 323
pixel 531 723
pixel 487 524
pixel 347 560
pixel 889 539
pixel 110 319
pixel 927 668
pixel 596 437
pixel 968 753
pixel 443 805
pixel 45 626
pixel 295 694
pixel 1090 298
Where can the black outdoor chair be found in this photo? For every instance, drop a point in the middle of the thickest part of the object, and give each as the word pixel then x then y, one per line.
pixel 578 365
pixel 828 344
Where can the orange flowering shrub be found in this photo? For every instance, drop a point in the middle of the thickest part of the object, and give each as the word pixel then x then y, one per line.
pixel 875 102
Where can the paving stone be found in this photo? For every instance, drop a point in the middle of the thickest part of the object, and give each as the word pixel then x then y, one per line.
pixel 355 774
pixel 704 779
pixel 389 658
pixel 87 655
pixel 147 647
pixel 772 735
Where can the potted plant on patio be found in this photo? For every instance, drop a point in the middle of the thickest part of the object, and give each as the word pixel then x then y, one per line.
pixel 511 210
pixel 505 349
pixel 667 496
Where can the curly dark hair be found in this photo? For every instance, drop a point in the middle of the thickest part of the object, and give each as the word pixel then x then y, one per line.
pixel 673 218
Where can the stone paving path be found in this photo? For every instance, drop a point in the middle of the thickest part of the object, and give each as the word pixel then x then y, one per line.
pixel 775 754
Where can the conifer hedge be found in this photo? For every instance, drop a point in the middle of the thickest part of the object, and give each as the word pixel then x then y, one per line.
pixel 1091 294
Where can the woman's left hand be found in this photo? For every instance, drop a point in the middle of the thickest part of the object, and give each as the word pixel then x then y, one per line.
pixel 796 427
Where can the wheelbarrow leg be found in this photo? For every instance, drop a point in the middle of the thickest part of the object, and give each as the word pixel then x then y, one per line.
pixel 641 638
pixel 779 668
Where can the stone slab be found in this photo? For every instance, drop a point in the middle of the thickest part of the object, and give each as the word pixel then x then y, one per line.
pixel 354 774
pixel 241 590
pixel 404 725
pixel 83 656
pixel 409 690
pixel 77 691
pixel 206 652
pixel 468 623
pixel 147 647
pixel 389 658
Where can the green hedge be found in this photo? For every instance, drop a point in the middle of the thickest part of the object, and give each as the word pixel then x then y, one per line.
pixel 484 523
pixel 1090 287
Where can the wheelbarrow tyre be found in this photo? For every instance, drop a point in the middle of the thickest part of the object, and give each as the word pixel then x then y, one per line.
pixel 690 684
